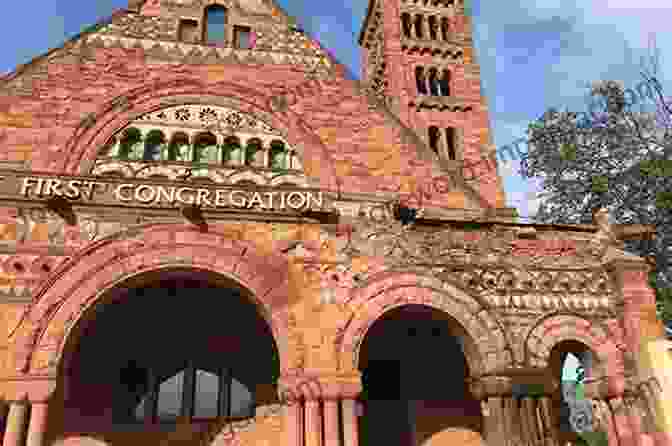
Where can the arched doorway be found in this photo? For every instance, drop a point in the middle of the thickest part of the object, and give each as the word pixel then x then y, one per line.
pixel 414 375
pixel 168 348
pixel 571 362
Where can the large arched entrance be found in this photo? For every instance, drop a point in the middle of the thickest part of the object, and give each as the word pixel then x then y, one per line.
pixel 166 348
pixel 414 374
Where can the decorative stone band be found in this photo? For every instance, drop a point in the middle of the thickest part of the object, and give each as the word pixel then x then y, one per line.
pixel 517 383
pixel 295 388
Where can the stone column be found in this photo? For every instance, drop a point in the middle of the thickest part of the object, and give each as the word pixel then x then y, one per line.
pixel 16 423
pixel 621 421
pixel 313 417
pixel 332 435
pixel 528 411
pixel 549 433
pixel 38 423
pixel 350 431
pixel 493 392
pixel 294 423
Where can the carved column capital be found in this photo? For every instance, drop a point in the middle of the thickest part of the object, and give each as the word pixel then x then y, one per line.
pixel 485 386
pixel 319 387
pixel 30 388
pixel 523 382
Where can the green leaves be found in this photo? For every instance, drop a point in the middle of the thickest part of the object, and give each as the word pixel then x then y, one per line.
pixel 664 200
pixel 600 184
pixel 656 168
pixel 568 152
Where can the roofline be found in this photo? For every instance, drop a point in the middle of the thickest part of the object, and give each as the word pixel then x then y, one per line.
pixel 369 10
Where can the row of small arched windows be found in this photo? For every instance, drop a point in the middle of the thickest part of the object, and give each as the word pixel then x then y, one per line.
pixel 434 82
pixel 155 147
pixel 422 27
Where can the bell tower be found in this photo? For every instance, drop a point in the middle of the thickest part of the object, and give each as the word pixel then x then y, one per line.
pixel 418 56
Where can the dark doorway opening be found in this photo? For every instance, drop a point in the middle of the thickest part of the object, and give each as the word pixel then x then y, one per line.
pixel 414 375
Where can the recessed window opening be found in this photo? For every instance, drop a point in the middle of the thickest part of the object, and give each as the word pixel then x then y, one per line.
pixel 406 24
pixel 188 31
pixel 420 80
pixel 434 138
pixel 215 24
pixel 433 25
pixel 418 26
pixel 444 83
pixel 242 37
pixel 433 82
pixel 451 143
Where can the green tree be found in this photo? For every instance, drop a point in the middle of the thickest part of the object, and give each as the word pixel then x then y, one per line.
pixel 616 155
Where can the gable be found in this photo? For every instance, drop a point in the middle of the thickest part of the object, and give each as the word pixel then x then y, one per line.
pixel 62 111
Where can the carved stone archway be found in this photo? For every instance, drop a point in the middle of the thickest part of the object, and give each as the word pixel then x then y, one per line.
pixel 485 345
pixel 555 328
pixel 40 337
pixel 116 112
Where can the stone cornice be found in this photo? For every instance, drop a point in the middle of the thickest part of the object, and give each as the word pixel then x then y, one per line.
pixel 180 50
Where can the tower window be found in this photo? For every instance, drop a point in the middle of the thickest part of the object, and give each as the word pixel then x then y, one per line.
pixel 433 82
pixel 451 140
pixel 434 139
pixel 433 26
pixel 188 31
pixel 215 24
pixel 242 37
pixel 445 28
pixel 444 83
pixel 406 24
pixel 418 26
pixel 420 80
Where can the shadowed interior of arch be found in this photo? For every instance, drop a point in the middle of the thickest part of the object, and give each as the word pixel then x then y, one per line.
pixel 166 347
pixel 567 403
pixel 415 378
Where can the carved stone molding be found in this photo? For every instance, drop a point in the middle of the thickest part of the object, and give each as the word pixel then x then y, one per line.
pixel 303 387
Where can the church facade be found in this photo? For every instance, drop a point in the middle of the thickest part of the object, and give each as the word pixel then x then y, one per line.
pixel 211 235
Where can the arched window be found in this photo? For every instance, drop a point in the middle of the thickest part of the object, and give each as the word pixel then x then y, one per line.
pixel 242 37
pixel 420 81
pixel 154 144
pixel 418 26
pixel 445 29
pixel 212 394
pixel 406 24
pixel 232 151
pixel 215 24
pixel 131 145
pixel 205 148
pixel 451 140
pixel 433 82
pixel 444 83
pixel 179 149
pixel 253 152
pixel 434 139
pixel 433 27
pixel 278 155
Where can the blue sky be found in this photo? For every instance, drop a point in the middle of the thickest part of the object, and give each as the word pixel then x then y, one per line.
pixel 534 54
